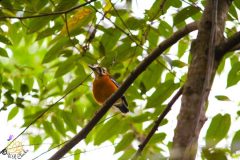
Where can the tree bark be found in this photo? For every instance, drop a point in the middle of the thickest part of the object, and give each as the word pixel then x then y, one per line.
pixel 192 115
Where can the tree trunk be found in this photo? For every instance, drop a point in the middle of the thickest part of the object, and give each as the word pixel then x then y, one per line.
pixel 192 115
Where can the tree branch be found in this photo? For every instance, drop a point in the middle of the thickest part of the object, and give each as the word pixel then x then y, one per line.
pixel 157 123
pixel 49 14
pixel 229 45
pixel 126 84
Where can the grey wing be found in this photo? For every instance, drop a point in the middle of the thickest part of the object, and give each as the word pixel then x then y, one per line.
pixel 123 97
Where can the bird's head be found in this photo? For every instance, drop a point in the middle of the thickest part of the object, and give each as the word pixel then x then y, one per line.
pixel 98 71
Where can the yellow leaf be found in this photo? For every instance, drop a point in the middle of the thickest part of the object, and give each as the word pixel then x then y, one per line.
pixel 107 7
pixel 81 18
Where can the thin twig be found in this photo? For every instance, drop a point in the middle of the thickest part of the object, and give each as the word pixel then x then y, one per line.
pixel 129 35
pixel 49 14
pixel 119 28
pixel 122 20
pixel 46 110
pixel 94 149
pixel 68 33
pixel 49 150
pixel 169 70
pixel 192 4
pixel 17 9
pixel 126 84
pixel 157 123
pixel 92 34
pixel 130 61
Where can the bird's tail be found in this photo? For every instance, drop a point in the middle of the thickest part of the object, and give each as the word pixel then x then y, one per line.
pixel 122 106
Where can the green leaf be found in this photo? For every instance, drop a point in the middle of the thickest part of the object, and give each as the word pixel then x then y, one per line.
pixel 127 154
pixel 134 23
pixel 98 5
pixel 233 12
pixel 29 82
pixel 19 102
pixel 54 51
pixel 47 127
pixel 66 66
pixel 24 89
pixel 4 40
pixel 153 72
pixel 214 154
pixel 74 83
pixel 178 63
pixel 63 4
pixel 13 113
pixel 234 75
pixel 222 98
pixel 132 93
pixel 218 129
pixel 152 36
pixel 48 32
pixel 185 13
pixel 167 59
pixel 33 115
pixel 1 79
pixel 155 10
pixel 235 145
pixel 3 52
pixel 108 130
pixel 77 153
pixel 125 51
pixel 126 48
pixel 165 29
pixel 158 137
pixel 7 85
pixel 237 3
pixel 110 38
pixel 39 4
pixel 175 3
pixel 80 70
pixel 221 66
pixel 9 97
pixel 182 46
pixel 35 141
pixel 141 118
pixel 238 113
pixel 162 93
pixel 125 142
pixel 50 131
pixel 7 4
pixel 58 123
pixel 38 23
pixel 70 122
pixel 17 84
pixel 121 12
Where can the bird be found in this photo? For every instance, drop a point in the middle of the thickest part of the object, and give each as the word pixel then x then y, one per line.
pixel 104 86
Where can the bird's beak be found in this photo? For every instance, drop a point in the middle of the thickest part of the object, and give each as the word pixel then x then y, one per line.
pixel 92 67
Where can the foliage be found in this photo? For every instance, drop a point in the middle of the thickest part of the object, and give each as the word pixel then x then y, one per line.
pixel 43 58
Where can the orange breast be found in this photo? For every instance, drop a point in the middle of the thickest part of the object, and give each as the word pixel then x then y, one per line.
pixel 103 87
